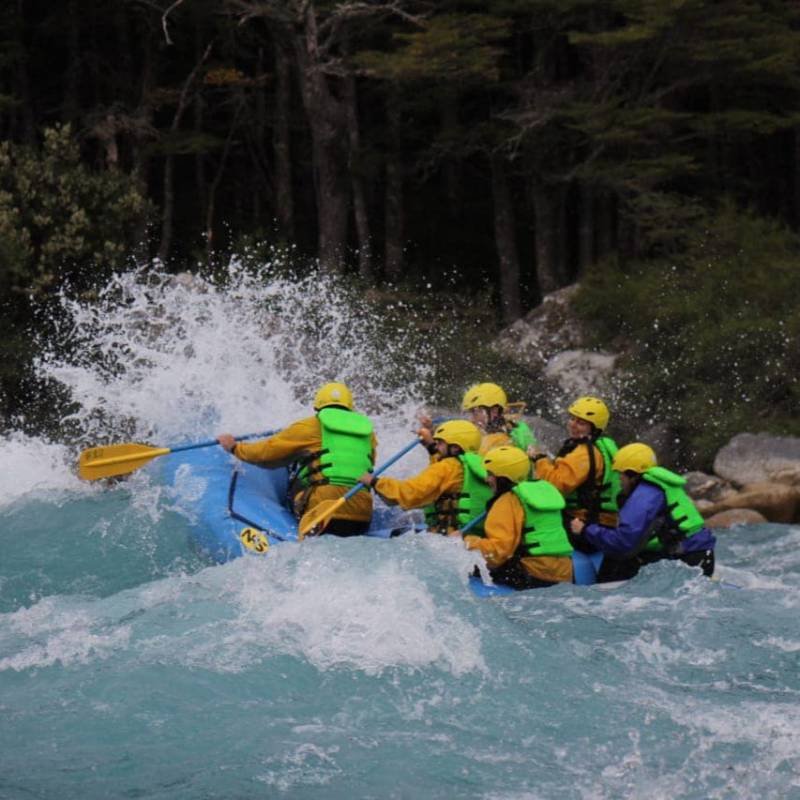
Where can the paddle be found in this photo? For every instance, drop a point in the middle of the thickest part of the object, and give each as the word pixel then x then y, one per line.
pixel 725 584
pixel 327 508
pixel 112 460
pixel 473 522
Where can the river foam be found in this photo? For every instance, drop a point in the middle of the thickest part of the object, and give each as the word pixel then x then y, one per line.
pixel 132 666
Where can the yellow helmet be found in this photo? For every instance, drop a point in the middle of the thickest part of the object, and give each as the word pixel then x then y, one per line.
pixel 636 457
pixel 333 394
pixel 508 462
pixel 460 432
pixel 484 394
pixel 591 409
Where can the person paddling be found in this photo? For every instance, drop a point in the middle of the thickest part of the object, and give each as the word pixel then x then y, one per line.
pixel 524 543
pixel 488 409
pixel 487 405
pixel 581 470
pixel 452 488
pixel 657 518
pixel 330 450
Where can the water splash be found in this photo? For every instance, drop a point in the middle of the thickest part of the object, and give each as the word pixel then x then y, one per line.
pixel 163 357
pixel 35 467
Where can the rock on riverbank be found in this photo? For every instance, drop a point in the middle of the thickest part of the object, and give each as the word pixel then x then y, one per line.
pixel 756 476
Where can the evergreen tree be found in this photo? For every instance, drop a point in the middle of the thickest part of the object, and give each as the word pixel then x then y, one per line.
pixel 58 219
pixel 692 95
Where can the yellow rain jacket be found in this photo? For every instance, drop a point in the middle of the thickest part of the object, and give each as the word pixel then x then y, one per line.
pixel 569 472
pixel 491 440
pixel 438 478
pixel 503 531
pixel 298 439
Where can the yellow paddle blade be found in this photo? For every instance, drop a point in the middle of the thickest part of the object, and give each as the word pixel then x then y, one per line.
pixel 318 516
pixel 115 459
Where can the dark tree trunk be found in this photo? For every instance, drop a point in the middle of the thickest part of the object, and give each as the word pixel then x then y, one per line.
pixel 23 124
pixel 212 189
pixel 395 219
pixel 449 122
pixel 394 214
pixel 545 206
pixel 168 191
pixel 326 119
pixel 281 137
pixel 585 228
pixel 359 195
pixel 505 241
pixel 200 180
pixel 628 233
pixel 167 208
pixel 796 178
pixel 606 224
pixel 72 75
pixel 563 254
pixel 140 154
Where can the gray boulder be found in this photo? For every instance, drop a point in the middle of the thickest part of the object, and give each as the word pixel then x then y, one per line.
pixel 702 486
pixel 550 342
pixel 735 516
pixel 777 502
pixel 546 330
pixel 580 372
pixel 759 457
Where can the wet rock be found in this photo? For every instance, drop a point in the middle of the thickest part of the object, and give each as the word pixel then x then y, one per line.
pixel 581 372
pixel 548 329
pixel 705 507
pixel 702 486
pixel 551 343
pixel 788 475
pixel 735 516
pixel 756 457
pixel 775 501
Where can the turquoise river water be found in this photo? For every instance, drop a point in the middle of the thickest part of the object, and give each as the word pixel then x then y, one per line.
pixel 133 667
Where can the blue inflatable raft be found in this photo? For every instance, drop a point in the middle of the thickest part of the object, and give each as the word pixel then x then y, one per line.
pixel 241 508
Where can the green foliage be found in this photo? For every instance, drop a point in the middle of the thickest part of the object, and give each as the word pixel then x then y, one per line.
pixel 450 342
pixel 652 106
pixel 665 221
pixel 713 331
pixel 58 219
pixel 8 103
pixel 681 81
pixel 451 48
pixel 185 143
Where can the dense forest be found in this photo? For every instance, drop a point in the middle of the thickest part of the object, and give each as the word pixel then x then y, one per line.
pixel 507 147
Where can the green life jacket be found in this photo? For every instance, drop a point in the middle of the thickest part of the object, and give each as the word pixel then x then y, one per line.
pixel 682 519
pixel 346 451
pixel 521 435
pixel 597 493
pixel 543 533
pixel 451 510
pixel 611 487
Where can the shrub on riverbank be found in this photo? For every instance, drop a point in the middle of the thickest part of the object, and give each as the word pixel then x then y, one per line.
pixel 62 224
pixel 712 333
